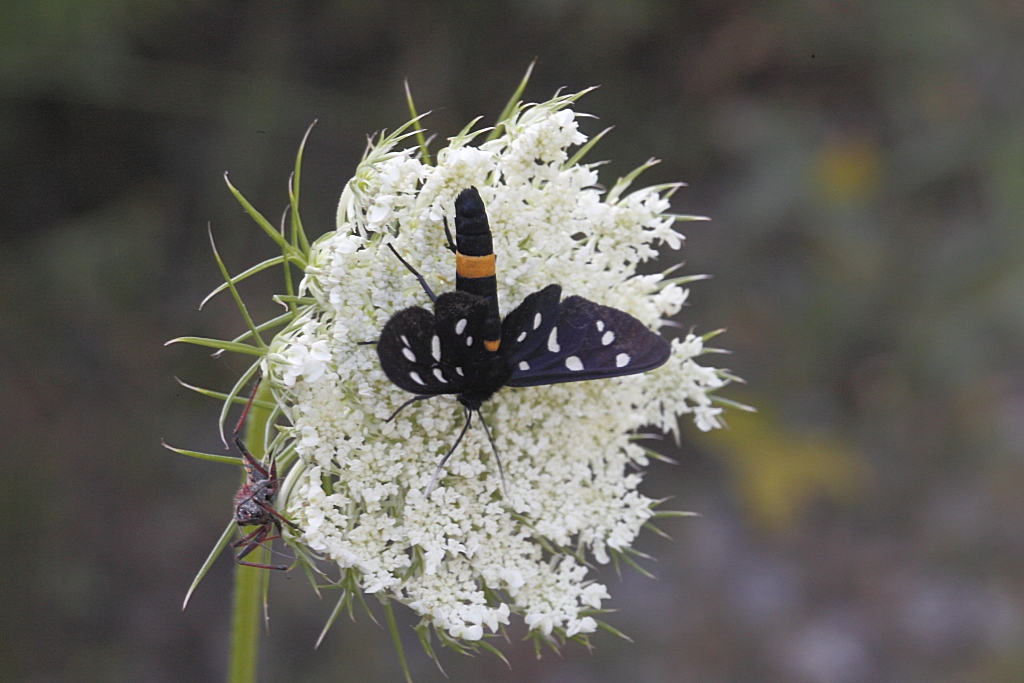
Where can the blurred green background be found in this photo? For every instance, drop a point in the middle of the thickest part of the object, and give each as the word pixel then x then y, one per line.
pixel 863 166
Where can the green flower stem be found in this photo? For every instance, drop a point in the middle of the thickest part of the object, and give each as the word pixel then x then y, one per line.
pixel 249 581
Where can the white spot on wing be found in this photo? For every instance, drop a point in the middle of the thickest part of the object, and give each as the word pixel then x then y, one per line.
pixel 469 340
pixel 415 377
pixel 435 347
pixel 600 325
pixel 622 360
pixel 553 346
pixel 405 340
pixel 524 366
pixel 460 326
pixel 536 320
pixel 574 363
pixel 458 369
pixel 522 336
pixel 606 339
pixel 439 376
pixel 407 352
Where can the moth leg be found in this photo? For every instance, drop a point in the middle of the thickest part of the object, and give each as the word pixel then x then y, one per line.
pixel 497 458
pixel 407 403
pixel 440 465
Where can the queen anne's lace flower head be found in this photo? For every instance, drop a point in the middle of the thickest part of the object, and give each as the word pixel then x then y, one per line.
pixel 472 554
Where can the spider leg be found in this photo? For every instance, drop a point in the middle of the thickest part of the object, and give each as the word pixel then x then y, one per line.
pixel 277 515
pixel 251 542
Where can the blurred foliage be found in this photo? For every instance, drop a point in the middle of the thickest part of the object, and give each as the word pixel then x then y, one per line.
pixel 862 163
pixel 778 471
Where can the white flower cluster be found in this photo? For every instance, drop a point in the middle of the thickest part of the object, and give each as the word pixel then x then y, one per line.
pixel 468 556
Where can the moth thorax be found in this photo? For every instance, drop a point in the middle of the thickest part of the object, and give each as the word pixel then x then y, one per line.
pixel 490 378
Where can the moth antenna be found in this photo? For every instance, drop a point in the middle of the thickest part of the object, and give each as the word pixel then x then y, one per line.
pixel 448 234
pixel 423 283
pixel 409 402
pixel 440 465
pixel 497 458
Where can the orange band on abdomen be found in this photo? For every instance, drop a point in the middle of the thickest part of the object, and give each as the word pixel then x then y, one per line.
pixel 492 346
pixel 474 266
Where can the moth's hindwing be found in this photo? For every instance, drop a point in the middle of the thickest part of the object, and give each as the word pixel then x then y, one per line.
pixel 578 339
pixel 404 350
pixel 430 354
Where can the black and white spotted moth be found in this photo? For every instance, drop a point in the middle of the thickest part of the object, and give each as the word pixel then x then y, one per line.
pixel 465 348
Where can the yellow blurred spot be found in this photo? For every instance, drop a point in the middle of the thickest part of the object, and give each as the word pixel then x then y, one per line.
pixel 777 470
pixel 848 170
